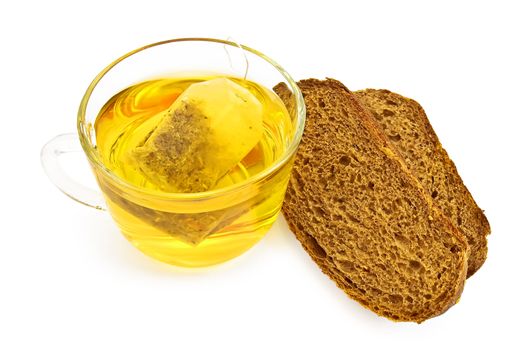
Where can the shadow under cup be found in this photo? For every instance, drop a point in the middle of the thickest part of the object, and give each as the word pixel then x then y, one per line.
pixel 165 225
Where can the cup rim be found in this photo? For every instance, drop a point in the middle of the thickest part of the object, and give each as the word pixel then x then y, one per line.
pixel 94 159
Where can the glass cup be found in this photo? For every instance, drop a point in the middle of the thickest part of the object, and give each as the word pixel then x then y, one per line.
pixel 233 218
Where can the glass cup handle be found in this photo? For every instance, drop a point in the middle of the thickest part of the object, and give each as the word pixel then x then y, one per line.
pixel 50 155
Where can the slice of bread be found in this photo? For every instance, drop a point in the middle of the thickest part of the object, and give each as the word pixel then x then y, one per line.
pixel 406 125
pixel 363 217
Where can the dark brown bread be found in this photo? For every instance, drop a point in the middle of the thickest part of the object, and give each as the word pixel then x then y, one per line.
pixel 406 125
pixel 364 218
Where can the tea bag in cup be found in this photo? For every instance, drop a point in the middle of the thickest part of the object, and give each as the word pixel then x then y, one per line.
pixel 205 133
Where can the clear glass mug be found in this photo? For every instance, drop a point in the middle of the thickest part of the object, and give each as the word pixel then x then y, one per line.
pixel 235 217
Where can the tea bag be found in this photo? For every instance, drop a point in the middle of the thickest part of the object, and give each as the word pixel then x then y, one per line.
pixel 205 133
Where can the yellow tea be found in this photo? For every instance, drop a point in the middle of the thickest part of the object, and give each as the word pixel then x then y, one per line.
pixel 204 230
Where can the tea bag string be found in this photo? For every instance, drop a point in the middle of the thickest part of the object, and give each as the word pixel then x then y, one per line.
pixel 232 40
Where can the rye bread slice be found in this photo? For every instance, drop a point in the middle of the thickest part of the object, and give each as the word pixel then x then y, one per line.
pixel 408 129
pixel 364 218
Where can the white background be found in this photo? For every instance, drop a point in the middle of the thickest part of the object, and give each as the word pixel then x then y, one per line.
pixel 69 280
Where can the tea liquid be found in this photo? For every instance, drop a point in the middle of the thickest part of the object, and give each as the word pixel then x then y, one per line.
pixel 129 117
